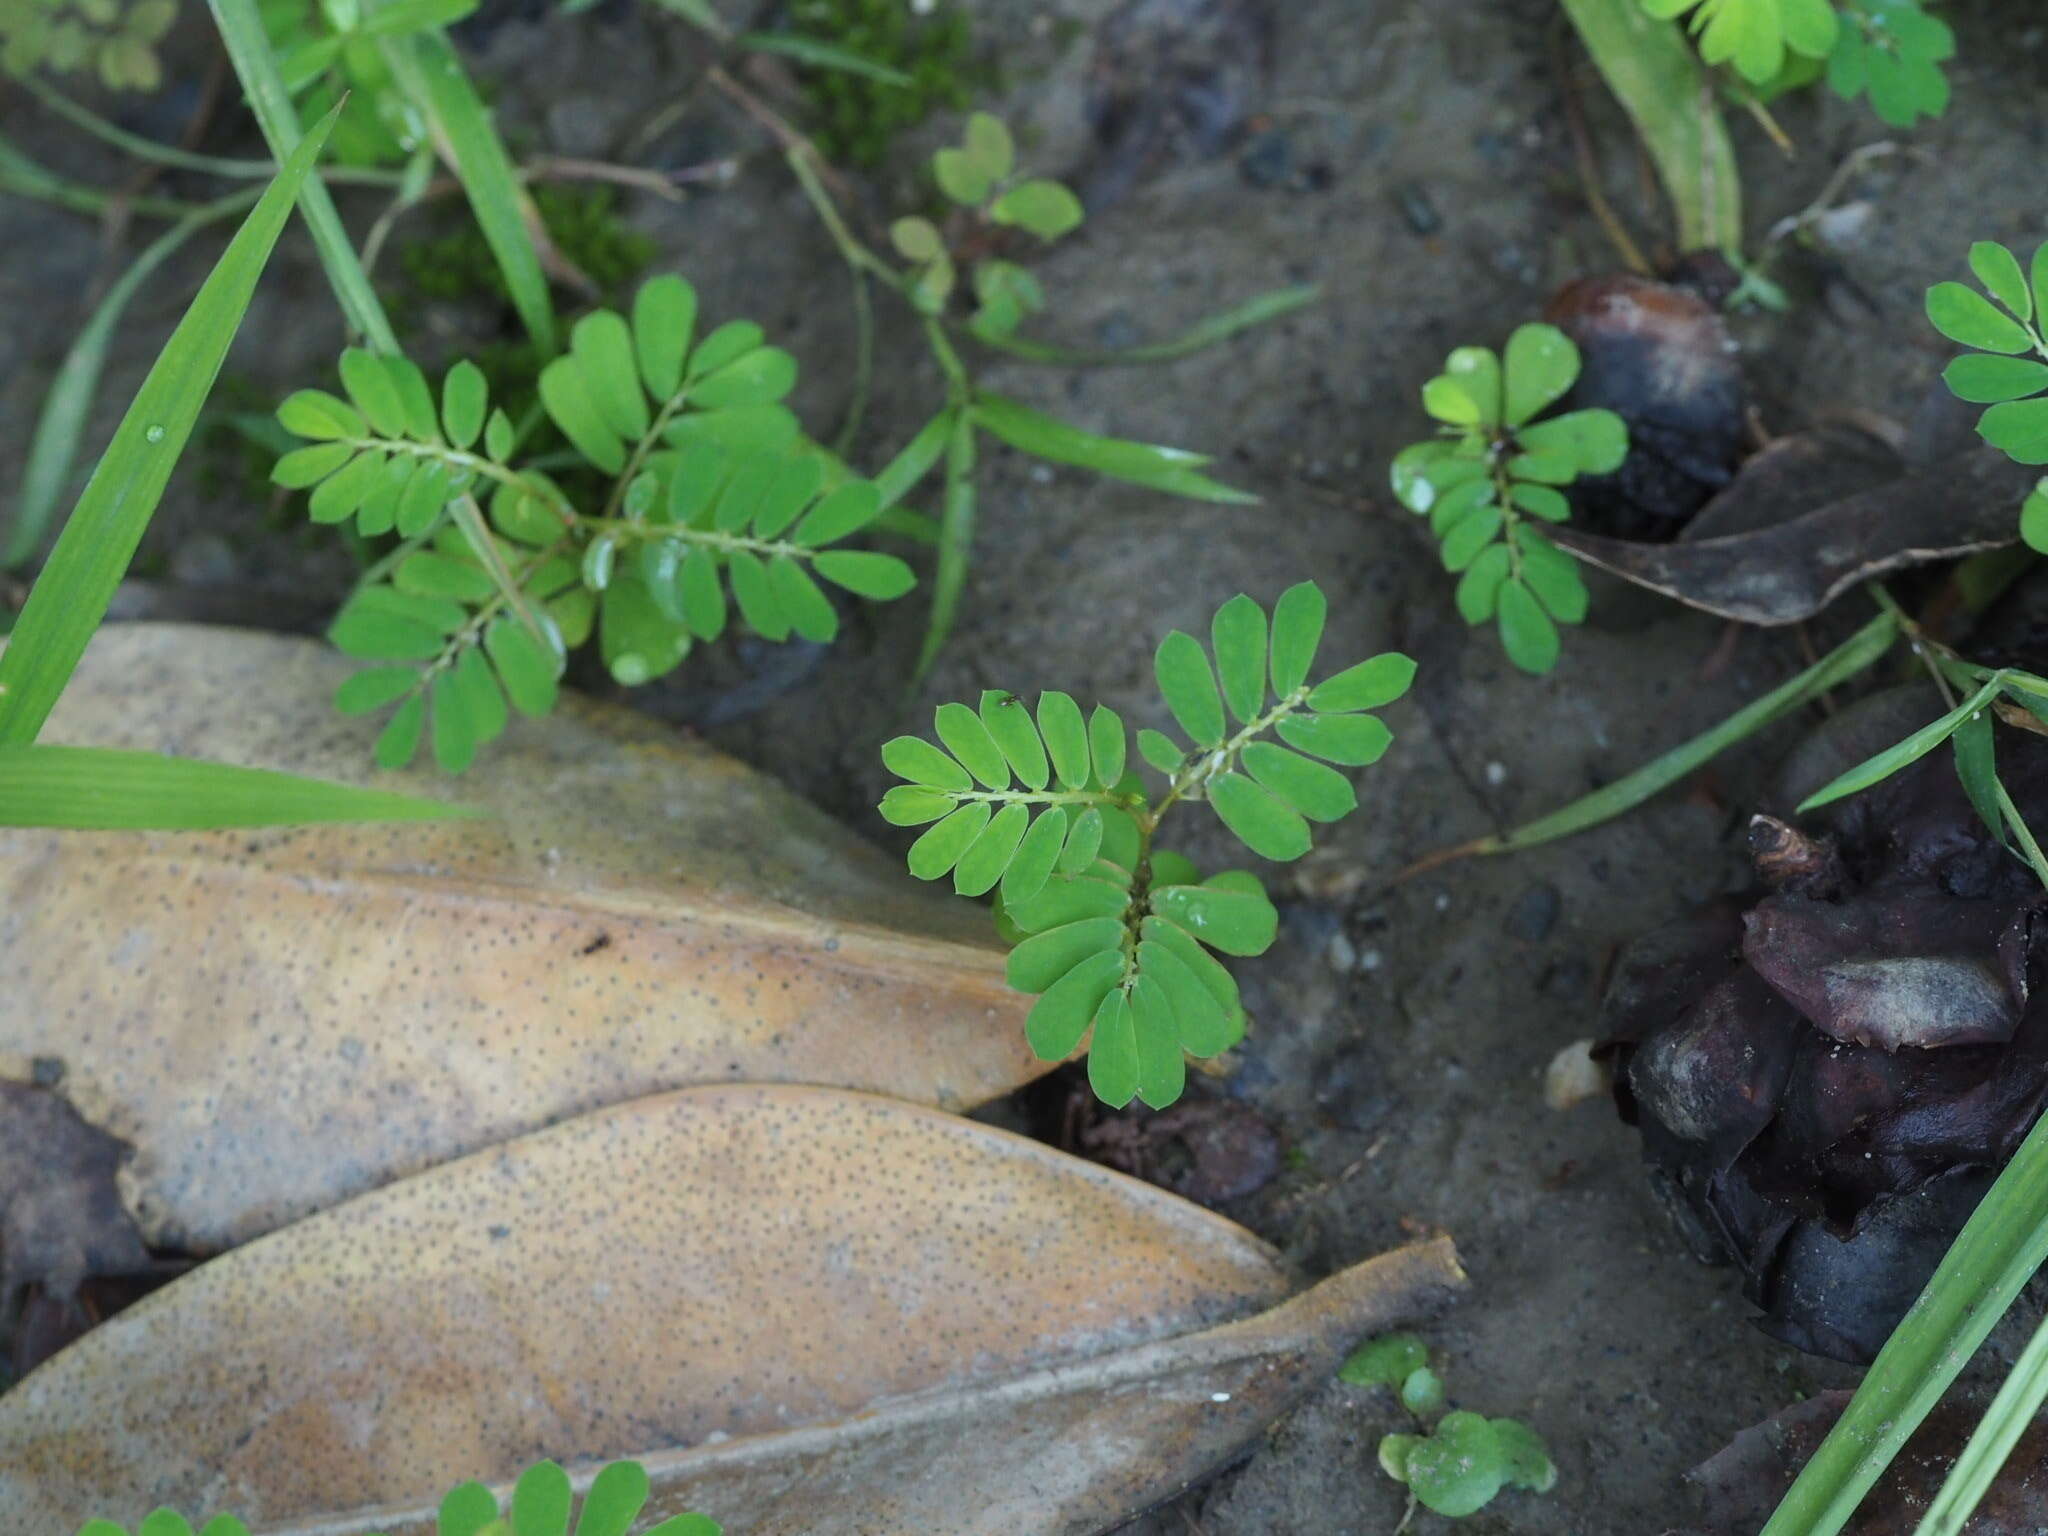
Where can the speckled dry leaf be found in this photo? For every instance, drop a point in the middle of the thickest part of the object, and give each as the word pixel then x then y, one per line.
pixel 277 1020
pixel 1791 569
pixel 808 1311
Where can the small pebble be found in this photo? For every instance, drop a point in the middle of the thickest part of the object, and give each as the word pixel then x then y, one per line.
pixel 1417 209
pixel 1268 160
pixel 1534 914
pixel 1342 953
pixel 1573 1076
pixel 1496 774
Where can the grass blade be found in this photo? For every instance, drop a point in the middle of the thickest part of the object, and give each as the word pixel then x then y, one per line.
pixel 426 66
pixel 1175 471
pixel 54 447
pixel 95 788
pixel 1998 1251
pixel 248 46
pixel 820 54
pixel 1900 754
pixel 1667 94
pixel 956 538
pixel 71 596
pixel 1860 650
pixel 1985 1456
pixel 1218 327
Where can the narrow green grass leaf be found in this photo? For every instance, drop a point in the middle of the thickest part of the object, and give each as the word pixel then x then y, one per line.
pixel 1173 470
pixel 956 541
pixel 249 50
pixel 1883 765
pixel 426 66
pixel 1206 333
pixel 100 789
pixel 99 539
pixel 53 449
pixel 1668 94
pixel 819 54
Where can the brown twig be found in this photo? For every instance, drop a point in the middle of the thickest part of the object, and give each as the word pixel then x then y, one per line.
pixel 780 129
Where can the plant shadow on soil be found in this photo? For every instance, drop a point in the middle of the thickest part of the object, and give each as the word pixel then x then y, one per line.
pixel 1413 159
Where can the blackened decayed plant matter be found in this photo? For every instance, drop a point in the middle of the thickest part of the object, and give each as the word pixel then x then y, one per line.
pixel 1829 1074
pixel 1658 355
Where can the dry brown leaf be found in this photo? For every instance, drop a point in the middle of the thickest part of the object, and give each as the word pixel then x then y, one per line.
pixel 277 1020
pixel 1790 570
pixel 806 1310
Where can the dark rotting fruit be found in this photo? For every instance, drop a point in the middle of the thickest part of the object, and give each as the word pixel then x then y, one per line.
pixel 1829 1072
pixel 1658 355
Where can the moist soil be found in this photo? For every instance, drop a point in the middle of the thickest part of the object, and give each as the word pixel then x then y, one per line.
pixel 1416 161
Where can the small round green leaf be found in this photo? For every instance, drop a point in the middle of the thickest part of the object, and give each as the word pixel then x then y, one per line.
pixel 756 598
pixel 303 467
pixel 1162 1068
pixel 1999 271
pixel 1066 738
pixel 1459 1468
pixel 616 1497
pixel 1161 751
pixel 316 414
pixel 1352 740
pixel 1262 823
pixel 2020 427
pixel 529 670
pixel 664 315
pixel 465 400
pixel 540 1501
pixel 1386 1361
pixel 1045 208
pixel 1032 864
pixel 1422 1394
pixel 1984 379
pixel 912 805
pixel 374 392
pixel 869 575
pixel 1084 841
pixel 1541 365
pixel 811 613
pixel 1525 1458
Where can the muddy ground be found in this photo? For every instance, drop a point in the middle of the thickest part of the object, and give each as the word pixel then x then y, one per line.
pixel 1413 159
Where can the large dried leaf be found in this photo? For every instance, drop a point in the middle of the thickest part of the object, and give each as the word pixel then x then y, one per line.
pixel 277 1020
pixel 807 1310
pixel 1790 570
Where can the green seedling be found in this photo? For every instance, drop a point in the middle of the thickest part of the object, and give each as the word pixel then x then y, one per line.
pixel 1457 1467
pixel 115 41
pixel 1114 934
pixel 1755 35
pixel 2008 370
pixel 542 1501
pixel 1497 473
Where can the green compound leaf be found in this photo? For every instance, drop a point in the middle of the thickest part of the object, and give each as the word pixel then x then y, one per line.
pixel 1061 1016
pixel 1964 315
pixel 1369 685
pixel 540 1501
pixel 1594 441
pixel 1238 636
pixel 1999 271
pixel 1754 35
pixel 1172 470
pixel 938 850
pixel 967 738
pixel 1893 50
pixel 1045 957
pixel 1983 379
pixel 2020 427
pixel 1162 1068
pixel 1317 792
pixel 1107 744
pixel 986 859
pixel 1066 738
pixel 1189 687
pixel 1010 726
pixel 1297 631
pixel 1113 1051
pixel 1161 751
pixel 1541 366
pixel 1355 741
pixel 1229 911
pixel 1262 822
pixel 1386 1361
pixel 1032 864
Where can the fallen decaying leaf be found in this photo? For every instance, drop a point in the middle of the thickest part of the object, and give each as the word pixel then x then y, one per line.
pixel 806 1310
pixel 276 1020
pixel 1742 1484
pixel 1791 569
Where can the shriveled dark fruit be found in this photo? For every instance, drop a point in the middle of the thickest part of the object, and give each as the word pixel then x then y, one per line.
pixel 1658 356
pixel 1740 1485
pixel 1829 1073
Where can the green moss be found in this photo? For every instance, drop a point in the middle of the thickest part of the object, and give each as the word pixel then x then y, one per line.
pixel 582 221
pixel 855 118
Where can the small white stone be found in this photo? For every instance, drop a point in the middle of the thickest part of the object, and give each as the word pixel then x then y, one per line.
pixel 1573 1076
pixel 1496 774
pixel 1371 960
pixel 1443 902
pixel 1342 953
pixel 1219 1397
